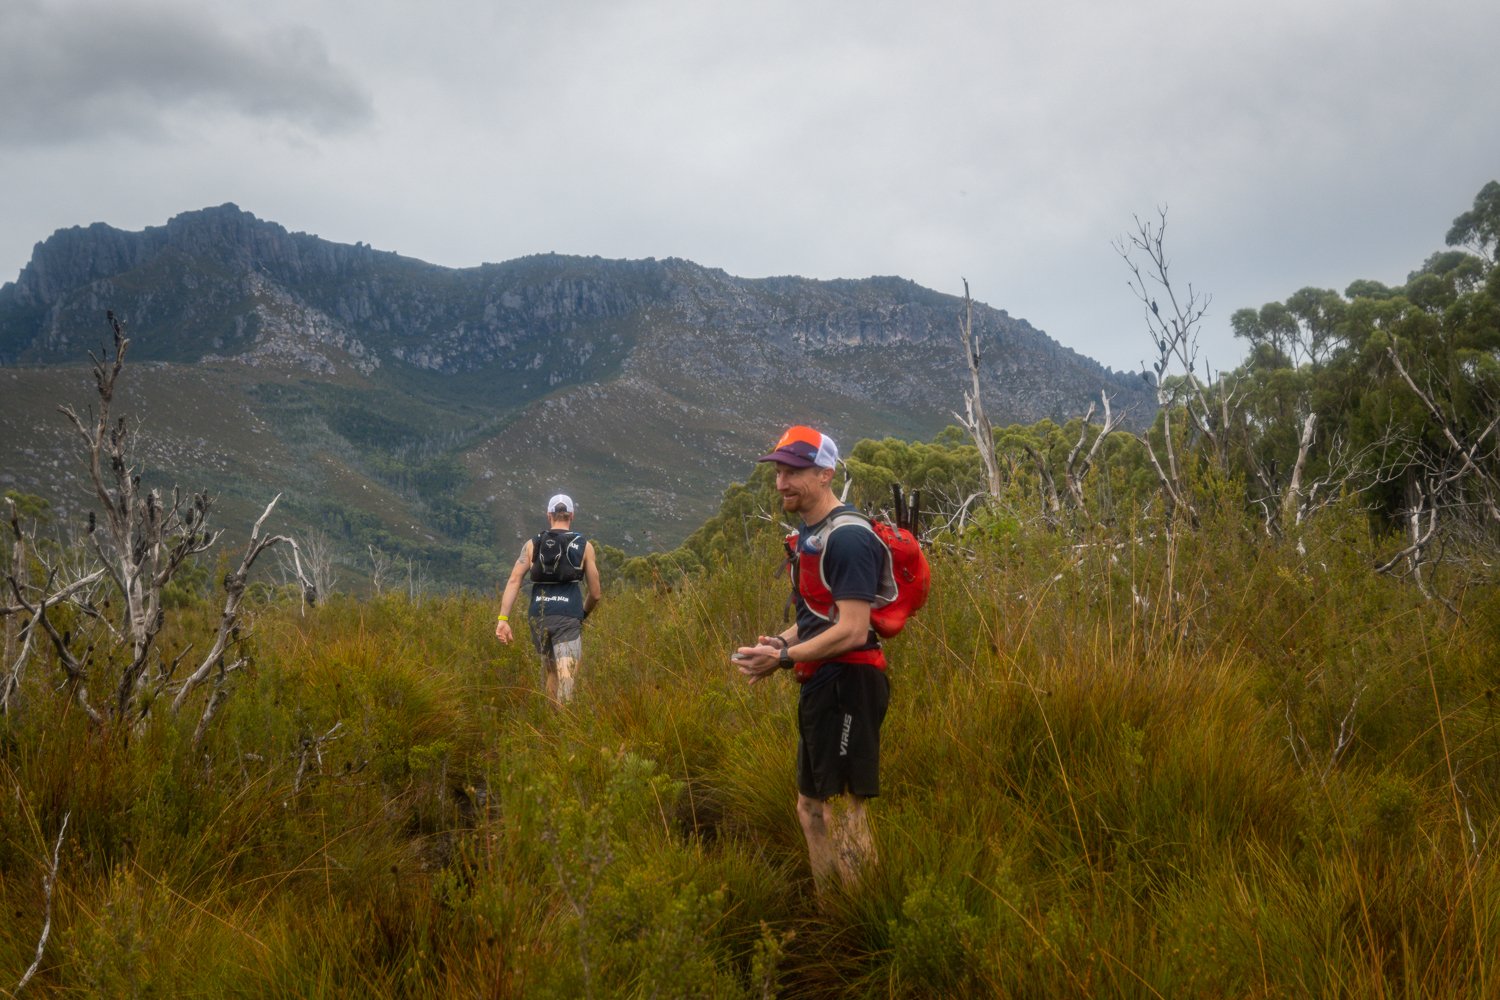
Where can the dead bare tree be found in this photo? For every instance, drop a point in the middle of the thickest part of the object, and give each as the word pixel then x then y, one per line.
pixel 1180 391
pixel 1463 462
pixel 973 418
pixel 1339 743
pixel 418 580
pixel 982 432
pixel 1283 503
pixel 144 540
pixel 1046 485
pixel 381 566
pixel 1079 461
pixel 31 607
pixel 1287 503
pixel 136 547
pixel 314 558
pixel 310 754
pixel 1057 504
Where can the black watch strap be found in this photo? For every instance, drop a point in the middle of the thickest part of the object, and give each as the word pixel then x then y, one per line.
pixel 784 659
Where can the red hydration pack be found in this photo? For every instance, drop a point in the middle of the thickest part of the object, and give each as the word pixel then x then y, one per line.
pixel 907 578
pixel 910 573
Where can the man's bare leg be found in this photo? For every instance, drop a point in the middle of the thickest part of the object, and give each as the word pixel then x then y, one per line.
pixel 838 839
pixel 820 852
pixel 853 843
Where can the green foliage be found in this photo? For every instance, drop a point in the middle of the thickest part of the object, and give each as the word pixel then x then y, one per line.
pixel 936 943
pixel 1479 228
pixel 193 582
pixel 29 508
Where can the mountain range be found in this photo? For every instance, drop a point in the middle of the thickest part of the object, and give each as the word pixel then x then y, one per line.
pixel 430 411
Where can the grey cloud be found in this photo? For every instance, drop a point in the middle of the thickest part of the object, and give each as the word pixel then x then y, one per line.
pixel 1294 143
pixel 78 72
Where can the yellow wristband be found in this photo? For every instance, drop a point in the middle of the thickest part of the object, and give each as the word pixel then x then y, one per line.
pixel 505 618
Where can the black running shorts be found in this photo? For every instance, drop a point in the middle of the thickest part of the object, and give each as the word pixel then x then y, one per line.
pixel 838 731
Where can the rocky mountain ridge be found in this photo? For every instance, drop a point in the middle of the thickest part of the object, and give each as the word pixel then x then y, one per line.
pixel 652 379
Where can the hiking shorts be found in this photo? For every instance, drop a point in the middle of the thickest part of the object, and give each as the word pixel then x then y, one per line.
pixel 838 731
pixel 557 637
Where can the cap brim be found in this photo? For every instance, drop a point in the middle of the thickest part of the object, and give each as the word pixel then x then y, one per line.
pixel 788 458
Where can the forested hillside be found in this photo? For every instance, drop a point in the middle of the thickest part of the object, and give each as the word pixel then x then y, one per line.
pixel 1204 709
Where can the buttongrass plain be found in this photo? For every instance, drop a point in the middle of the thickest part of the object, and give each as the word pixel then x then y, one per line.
pixel 1135 763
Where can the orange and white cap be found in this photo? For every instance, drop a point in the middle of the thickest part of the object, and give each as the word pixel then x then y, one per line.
pixel 802 447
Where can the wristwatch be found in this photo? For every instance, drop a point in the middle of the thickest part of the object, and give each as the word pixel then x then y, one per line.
pixel 784 658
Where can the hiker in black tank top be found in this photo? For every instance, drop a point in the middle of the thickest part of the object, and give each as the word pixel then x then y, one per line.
pixel 564 576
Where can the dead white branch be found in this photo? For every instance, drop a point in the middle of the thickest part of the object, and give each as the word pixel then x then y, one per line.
pixel 74 669
pixel 31 606
pixel 310 753
pixel 1291 503
pixel 318 563
pixel 1415 554
pixel 1077 469
pixel 216 662
pixel 47 883
pixel 1345 736
pixel 1046 485
pixel 1465 464
pixel 380 568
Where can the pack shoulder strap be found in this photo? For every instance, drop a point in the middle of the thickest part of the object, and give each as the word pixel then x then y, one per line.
pixel 888 588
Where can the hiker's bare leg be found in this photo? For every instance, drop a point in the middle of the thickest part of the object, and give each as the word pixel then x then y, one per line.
pixel 820 851
pixel 567 656
pixel 549 675
pixel 848 821
pixel 562 680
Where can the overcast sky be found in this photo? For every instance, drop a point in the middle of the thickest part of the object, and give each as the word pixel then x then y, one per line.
pixel 1293 142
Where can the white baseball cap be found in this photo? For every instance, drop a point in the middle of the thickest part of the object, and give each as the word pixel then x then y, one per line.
pixel 560 503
